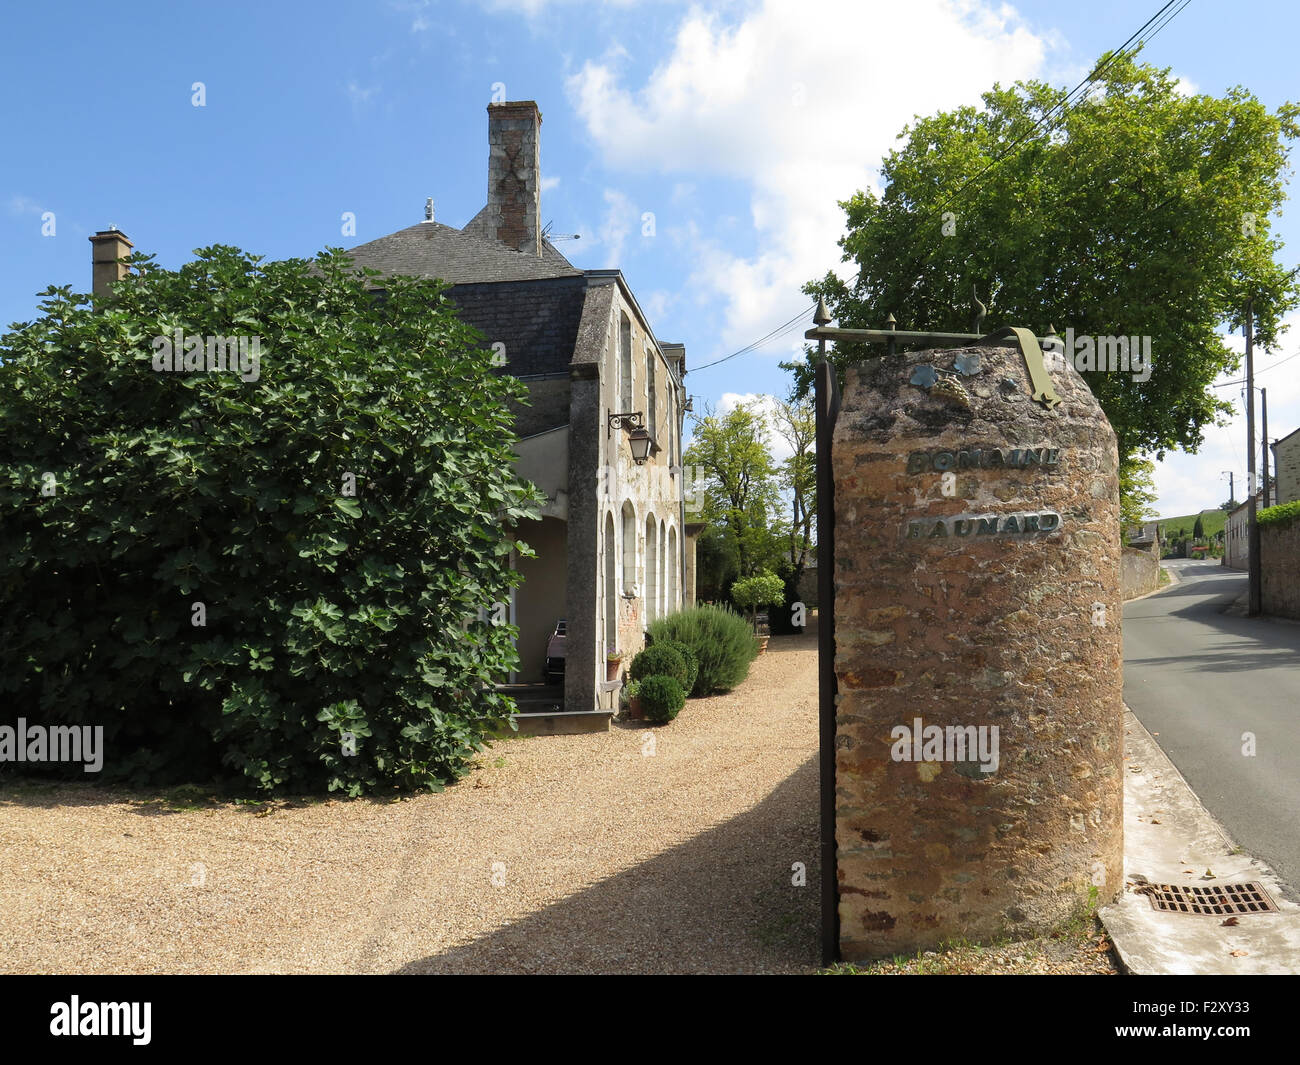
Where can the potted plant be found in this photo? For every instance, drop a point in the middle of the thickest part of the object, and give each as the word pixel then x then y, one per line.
pixel 631 699
pixel 762 589
pixel 613 660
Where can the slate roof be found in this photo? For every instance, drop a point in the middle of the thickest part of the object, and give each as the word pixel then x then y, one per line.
pixel 430 249
pixel 536 320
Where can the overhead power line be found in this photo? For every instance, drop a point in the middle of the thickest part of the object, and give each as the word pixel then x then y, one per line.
pixel 1229 384
pixel 1065 102
pixel 775 334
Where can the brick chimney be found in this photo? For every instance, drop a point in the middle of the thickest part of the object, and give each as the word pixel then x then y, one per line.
pixel 107 246
pixel 514 184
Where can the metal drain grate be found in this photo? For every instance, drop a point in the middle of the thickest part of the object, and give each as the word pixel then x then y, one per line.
pixel 1218 900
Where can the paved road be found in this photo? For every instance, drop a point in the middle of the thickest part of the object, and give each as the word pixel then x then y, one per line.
pixel 1201 679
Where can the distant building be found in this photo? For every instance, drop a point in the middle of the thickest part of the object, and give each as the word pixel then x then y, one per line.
pixel 1286 462
pixel 1148 537
pixel 1236 535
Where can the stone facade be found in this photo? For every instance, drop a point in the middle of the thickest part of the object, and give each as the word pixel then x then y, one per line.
pixel 1286 457
pixel 980 591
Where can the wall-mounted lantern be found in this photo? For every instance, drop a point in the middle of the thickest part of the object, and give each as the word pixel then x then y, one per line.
pixel 638 437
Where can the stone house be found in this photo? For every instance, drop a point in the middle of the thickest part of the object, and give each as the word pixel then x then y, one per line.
pixel 1286 465
pixel 614 549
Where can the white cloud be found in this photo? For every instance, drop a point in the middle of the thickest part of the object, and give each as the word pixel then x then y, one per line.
pixel 800 110
pixel 549 183
pixel 360 95
pixel 24 205
pixel 614 227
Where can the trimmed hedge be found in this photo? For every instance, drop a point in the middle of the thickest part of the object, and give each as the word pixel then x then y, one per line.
pixel 661 698
pixel 659 660
pixel 722 641
pixel 692 664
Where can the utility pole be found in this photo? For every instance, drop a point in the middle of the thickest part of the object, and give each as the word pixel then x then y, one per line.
pixel 1263 418
pixel 1253 582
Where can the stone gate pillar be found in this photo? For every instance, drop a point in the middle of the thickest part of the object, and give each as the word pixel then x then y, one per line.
pixel 979 734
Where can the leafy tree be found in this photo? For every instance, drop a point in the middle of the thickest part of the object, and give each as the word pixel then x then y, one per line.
pixel 285 574
pixel 796 423
pixel 762 589
pixel 740 482
pixel 1137 492
pixel 1138 211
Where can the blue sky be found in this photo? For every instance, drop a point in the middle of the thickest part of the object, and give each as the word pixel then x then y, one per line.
pixel 699 148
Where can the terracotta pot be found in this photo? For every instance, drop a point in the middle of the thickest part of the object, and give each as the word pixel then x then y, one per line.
pixel 612 667
pixel 634 711
pixel 762 643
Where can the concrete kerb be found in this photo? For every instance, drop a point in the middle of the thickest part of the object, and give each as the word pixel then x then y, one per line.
pixel 1170 838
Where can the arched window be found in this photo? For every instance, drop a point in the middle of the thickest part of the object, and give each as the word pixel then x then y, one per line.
pixel 611 585
pixel 674 567
pixel 629 548
pixel 651 567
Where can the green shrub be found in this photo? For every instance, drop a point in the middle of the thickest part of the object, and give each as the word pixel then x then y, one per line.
pixel 661 698
pixel 660 660
pixel 279 575
pixel 723 643
pixel 692 663
pixel 1281 516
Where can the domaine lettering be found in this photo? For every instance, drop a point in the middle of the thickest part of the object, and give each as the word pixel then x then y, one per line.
pixel 982 459
pixel 980 526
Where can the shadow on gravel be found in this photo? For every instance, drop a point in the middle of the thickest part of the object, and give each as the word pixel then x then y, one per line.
pixel 721 903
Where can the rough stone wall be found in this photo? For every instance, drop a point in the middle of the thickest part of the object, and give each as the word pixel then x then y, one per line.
pixel 1139 572
pixel 1019 631
pixel 1279 566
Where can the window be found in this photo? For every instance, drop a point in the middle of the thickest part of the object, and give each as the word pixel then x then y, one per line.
pixel 651 568
pixel 629 549
pixel 625 364
pixel 651 423
pixel 611 588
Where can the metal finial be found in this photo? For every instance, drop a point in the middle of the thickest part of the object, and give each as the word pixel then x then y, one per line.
pixel 821 316
pixel 428 209
pixel 891 322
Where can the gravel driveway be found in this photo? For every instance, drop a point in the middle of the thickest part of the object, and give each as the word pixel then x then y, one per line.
pixel 665 850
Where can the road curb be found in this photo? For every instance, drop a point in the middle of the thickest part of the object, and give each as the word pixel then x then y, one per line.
pixel 1171 838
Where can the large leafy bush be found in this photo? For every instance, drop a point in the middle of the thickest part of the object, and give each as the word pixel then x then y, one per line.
pixel 342 521
pixel 722 641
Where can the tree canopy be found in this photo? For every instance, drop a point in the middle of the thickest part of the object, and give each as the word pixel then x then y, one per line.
pixel 1139 210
